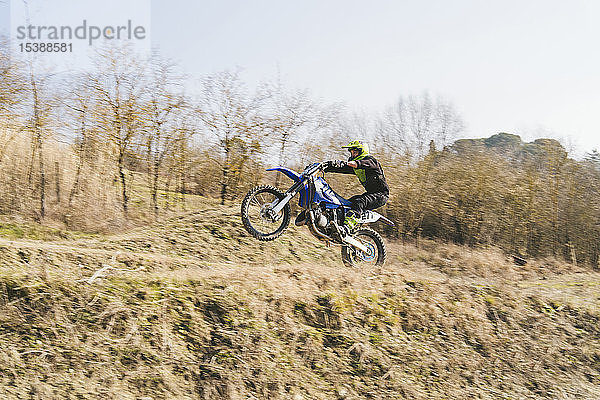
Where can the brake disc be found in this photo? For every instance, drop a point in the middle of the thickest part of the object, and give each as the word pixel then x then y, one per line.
pixel 370 256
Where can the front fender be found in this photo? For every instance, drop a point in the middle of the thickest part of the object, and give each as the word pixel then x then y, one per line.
pixel 290 173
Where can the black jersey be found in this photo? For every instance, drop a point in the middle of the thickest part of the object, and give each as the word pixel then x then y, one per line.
pixel 369 173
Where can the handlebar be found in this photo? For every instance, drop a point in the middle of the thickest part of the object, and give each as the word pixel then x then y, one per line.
pixel 312 168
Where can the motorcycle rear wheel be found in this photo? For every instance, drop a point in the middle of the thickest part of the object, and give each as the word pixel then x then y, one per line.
pixel 373 241
pixel 255 213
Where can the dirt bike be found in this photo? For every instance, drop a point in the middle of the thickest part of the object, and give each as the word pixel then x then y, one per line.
pixel 266 214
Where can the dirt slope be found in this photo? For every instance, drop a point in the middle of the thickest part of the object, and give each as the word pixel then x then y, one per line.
pixel 195 308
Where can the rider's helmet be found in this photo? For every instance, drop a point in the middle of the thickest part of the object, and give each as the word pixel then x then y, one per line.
pixel 362 147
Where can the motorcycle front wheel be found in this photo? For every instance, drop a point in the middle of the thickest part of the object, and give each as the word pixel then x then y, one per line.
pixel 375 256
pixel 257 216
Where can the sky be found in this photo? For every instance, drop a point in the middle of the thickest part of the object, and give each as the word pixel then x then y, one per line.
pixel 525 67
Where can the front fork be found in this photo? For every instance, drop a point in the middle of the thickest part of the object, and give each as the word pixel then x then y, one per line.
pixel 277 205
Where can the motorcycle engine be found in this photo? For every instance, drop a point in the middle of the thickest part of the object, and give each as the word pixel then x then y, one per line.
pixel 320 219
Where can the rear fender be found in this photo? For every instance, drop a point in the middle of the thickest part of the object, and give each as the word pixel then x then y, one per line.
pixel 368 217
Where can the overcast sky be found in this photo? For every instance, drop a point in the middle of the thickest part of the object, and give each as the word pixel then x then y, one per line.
pixel 529 67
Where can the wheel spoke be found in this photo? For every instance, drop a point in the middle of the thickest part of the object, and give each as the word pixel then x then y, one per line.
pixel 257 219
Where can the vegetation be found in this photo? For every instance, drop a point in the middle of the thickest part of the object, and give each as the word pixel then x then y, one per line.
pixel 527 198
pixel 194 308
pixel 125 145
pixel 125 271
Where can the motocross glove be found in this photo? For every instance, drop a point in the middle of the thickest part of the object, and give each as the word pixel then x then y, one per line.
pixel 335 164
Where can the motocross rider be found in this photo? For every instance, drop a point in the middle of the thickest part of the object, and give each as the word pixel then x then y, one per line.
pixel 369 173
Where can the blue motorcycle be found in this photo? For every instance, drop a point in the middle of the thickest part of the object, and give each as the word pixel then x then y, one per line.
pixel 266 214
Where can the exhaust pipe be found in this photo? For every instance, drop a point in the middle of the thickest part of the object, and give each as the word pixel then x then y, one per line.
pixel 313 229
pixel 346 239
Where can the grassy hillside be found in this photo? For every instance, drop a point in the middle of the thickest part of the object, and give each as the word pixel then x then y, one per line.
pixel 195 308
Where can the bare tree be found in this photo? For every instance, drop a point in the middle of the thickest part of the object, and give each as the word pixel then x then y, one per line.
pixel 165 114
pixel 408 127
pixel 120 86
pixel 37 110
pixel 233 118
pixel 13 90
pixel 296 116
pixel 12 81
pixel 80 111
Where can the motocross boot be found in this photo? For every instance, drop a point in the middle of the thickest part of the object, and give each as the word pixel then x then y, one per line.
pixel 301 218
pixel 350 221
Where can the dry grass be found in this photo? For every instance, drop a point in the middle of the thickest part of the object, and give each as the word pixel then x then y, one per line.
pixel 96 205
pixel 194 308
